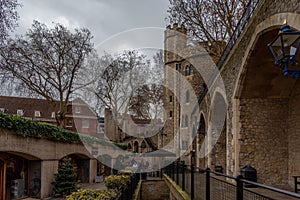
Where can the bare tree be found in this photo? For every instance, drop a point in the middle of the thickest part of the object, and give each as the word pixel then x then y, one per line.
pixel 47 61
pixel 209 21
pixel 147 102
pixel 8 18
pixel 118 78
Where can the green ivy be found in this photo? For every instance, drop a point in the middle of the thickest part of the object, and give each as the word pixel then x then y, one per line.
pixel 30 128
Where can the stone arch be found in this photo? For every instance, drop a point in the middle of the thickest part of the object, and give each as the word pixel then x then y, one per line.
pixel 271 23
pixel 79 154
pixel 19 170
pixel 265 104
pixel 217 134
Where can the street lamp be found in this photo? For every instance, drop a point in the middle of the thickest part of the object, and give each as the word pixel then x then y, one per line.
pixel 284 49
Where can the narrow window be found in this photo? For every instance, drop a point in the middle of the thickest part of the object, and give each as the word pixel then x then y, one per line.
pixel 171 113
pixel 53 115
pixel 186 121
pixel 187 96
pixel 171 98
pixel 191 69
pixel 187 70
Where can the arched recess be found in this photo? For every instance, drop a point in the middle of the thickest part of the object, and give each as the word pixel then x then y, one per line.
pixel 201 134
pixel 105 164
pixel 81 164
pixel 217 138
pixel 20 175
pixel 143 146
pixel 266 109
pixel 129 146
pixel 136 147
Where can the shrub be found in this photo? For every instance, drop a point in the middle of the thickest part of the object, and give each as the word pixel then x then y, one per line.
pixel 116 182
pixel 92 194
pixel 66 178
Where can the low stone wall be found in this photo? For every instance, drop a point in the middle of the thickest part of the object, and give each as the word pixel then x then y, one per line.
pixel 176 193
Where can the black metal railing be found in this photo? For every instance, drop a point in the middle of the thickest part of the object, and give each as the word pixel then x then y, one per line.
pixel 206 184
pixel 128 191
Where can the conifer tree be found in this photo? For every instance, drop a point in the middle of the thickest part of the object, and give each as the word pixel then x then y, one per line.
pixel 66 178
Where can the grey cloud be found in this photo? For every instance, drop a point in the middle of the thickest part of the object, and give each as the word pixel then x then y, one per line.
pixel 103 17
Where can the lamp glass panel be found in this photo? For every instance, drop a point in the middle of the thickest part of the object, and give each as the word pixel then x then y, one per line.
pixel 293 51
pixel 290 39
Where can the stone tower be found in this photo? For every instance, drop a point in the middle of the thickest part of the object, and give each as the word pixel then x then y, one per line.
pixel 182 82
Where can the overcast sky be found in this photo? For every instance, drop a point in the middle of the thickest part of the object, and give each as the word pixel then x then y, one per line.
pixel 104 18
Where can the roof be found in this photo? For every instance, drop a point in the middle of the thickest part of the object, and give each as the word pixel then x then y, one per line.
pixel 30 105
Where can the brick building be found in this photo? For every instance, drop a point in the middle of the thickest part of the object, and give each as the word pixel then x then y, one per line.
pixel 80 117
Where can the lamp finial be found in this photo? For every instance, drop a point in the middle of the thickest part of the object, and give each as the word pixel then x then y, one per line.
pixel 284 22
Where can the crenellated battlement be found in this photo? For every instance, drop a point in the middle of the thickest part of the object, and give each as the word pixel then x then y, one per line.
pixel 176 27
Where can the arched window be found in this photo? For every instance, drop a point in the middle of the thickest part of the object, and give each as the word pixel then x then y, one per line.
pixel 187 96
pixel 143 145
pixel 191 69
pixel 186 121
pixel 182 121
pixel 187 70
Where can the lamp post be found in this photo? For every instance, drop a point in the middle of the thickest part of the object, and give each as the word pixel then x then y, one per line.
pixel 284 49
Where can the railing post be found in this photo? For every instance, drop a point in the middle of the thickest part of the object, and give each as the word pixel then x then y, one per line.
pixel 239 188
pixel 177 172
pixel 132 181
pixel 183 176
pixel 192 182
pixel 173 171
pixel 207 184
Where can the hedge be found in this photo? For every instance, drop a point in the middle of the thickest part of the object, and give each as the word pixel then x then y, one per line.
pixel 30 128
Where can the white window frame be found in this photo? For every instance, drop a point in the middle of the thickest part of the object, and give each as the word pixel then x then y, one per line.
pixel 53 115
pixel 85 125
pixel 20 112
pixel 77 109
pixel 67 125
pixel 37 113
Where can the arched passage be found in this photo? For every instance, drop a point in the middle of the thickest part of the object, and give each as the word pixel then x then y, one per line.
pixel 20 175
pixel 81 164
pixel 136 147
pixel 129 146
pixel 268 115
